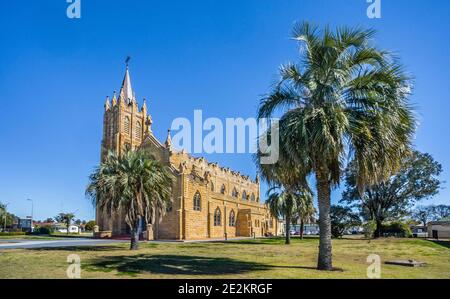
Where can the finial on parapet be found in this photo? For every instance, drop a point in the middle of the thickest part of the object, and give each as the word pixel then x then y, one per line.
pixel 149 123
pixel 169 140
pixel 107 104
pixel 144 106
pixel 114 99
pixel 183 167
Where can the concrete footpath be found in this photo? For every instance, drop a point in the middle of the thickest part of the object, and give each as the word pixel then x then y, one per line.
pixel 20 243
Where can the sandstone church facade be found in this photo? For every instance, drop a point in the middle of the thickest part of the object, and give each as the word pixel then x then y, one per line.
pixel 208 201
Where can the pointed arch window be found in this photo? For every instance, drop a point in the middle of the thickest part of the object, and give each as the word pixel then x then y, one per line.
pixel 232 219
pixel 217 217
pixel 235 193
pixel 197 202
pixel 244 195
pixel 138 131
pixel 223 189
pixel 126 125
pixel 252 198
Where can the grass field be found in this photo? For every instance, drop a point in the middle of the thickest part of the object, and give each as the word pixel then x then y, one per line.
pixel 53 236
pixel 261 258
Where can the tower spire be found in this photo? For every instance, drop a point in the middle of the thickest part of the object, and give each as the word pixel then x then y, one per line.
pixel 126 91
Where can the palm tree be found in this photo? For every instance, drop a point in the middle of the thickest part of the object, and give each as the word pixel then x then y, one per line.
pixel 282 204
pixel 65 218
pixel 305 209
pixel 134 184
pixel 346 100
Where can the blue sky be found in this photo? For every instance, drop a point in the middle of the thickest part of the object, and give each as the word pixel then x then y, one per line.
pixel 218 56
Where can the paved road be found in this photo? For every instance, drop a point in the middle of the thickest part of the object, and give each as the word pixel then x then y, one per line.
pixel 18 244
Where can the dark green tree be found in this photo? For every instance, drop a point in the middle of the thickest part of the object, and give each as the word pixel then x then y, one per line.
pixel 422 214
pixel 417 179
pixel 6 219
pixel 342 219
pixel 440 211
pixel 90 226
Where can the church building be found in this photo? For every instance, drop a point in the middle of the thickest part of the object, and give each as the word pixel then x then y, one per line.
pixel 208 201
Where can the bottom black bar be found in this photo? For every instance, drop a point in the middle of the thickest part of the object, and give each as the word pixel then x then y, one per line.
pixel 221 288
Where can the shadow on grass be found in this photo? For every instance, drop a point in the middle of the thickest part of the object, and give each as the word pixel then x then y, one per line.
pixel 174 265
pixel 127 265
pixel 271 241
pixel 442 243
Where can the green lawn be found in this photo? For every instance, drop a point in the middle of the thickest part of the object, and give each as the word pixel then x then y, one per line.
pixel 263 258
pixel 52 236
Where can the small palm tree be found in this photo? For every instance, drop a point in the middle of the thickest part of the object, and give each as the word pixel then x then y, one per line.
pixel 305 209
pixel 65 218
pixel 282 204
pixel 345 100
pixel 134 184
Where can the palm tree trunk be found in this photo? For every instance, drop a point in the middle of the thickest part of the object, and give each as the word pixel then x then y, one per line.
pixel 135 236
pixel 288 229
pixel 302 225
pixel 325 248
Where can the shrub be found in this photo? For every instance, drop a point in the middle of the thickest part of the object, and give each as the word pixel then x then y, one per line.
pixel 396 229
pixel 44 230
pixel 342 219
pixel 369 229
pixel 90 226
pixel 13 234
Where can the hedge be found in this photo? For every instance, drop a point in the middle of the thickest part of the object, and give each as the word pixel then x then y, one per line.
pixel 3 234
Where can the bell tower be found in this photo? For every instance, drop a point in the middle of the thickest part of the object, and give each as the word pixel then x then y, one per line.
pixel 124 127
pixel 124 123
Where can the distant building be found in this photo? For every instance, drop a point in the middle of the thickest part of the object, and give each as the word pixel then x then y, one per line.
pixel 419 231
pixel 25 225
pixel 439 229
